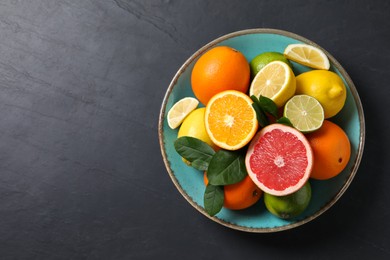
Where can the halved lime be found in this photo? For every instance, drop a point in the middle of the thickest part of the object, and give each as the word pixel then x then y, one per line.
pixel 305 113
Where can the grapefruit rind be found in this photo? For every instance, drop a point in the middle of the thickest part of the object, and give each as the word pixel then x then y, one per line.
pixel 306 174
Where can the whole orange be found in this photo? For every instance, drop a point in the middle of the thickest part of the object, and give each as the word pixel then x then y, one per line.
pixel 221 68
pixel 331 150
pixel 240 195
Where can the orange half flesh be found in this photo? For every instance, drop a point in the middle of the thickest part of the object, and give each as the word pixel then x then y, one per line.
pixel 230 119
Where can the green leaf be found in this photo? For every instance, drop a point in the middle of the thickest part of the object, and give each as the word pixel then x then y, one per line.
pixel 226 167
pixel 255 99
pixel 213 199
pixel 200 165
pixel 267 105
pixel 261 116
pixel 284 121
pixel 197 152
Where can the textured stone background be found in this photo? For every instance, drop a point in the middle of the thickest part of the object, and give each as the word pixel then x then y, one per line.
pixel 81 85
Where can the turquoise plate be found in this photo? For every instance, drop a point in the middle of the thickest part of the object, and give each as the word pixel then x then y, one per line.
pixel 189 181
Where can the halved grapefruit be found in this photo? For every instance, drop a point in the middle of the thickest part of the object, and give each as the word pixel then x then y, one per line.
pixel 279 160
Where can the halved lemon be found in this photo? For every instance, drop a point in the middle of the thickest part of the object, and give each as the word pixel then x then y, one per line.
pixel 307 55
pixel 230 119
pixel 304 112
pixel 180 110
pixel 275 81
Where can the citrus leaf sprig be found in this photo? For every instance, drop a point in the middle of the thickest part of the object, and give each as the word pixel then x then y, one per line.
pixel 226 167
pixel 264 105
pixel 222 168
pixel 213 199
pixel 197 152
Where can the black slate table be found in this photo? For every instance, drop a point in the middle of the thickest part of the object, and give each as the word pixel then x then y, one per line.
pixel 81 85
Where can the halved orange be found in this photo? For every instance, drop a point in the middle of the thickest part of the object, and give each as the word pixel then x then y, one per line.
pixel 230 119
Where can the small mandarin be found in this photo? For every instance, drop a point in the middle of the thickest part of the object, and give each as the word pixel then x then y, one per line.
pixel 240 195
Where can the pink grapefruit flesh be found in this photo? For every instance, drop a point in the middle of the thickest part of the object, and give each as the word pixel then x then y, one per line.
pixel 279 160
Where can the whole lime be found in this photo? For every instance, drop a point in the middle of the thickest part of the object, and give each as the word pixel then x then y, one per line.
pixel 291 205
pixel 263 59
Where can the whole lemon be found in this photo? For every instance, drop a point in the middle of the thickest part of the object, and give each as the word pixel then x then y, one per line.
pixel 325 86
pixel 194 126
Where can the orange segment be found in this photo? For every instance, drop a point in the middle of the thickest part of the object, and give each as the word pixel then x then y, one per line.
pixel 230 119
